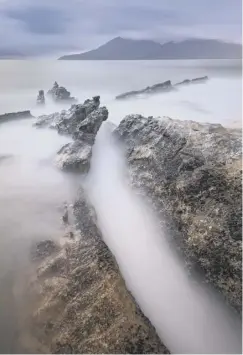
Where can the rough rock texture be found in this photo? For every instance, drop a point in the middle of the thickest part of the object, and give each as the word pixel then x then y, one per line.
pixel 75 156
pixel 60 94
pixel 43 249
pixel 192 174
pixel 15 115
pixel 41 98
pixel 82 303
pixel 82 122
pixel 160 88
pixel 68 121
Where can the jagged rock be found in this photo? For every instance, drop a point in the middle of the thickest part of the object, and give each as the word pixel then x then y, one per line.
pixel 68 121
pixel 160 88
pixel 157 88
pixel 41 98
pixel 83 306
pixel 193 81
pixel 82 122
pixel 15 115
pixel 192 175
pixel 60 94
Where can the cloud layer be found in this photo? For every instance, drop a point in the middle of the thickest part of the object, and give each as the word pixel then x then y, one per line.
pixel 53 27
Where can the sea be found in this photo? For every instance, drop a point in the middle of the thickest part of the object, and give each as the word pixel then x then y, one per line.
pixel 33 191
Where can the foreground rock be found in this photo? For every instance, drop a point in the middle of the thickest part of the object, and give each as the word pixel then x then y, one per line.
pixel 160 88
pixel 82 122
pixel 41 98
pixel 15 115
pixel 192 174
pixel 60 94
pixel 83 305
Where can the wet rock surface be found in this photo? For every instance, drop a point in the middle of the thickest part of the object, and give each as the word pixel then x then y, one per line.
pixel 60 94
pixel 82 304
pixel 192 175
pixel 160 88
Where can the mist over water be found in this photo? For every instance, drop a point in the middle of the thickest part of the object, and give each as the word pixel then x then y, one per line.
pixel 32 190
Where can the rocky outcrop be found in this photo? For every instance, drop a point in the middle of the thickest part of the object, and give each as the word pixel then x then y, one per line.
pixel 15 115
pixel 81 301
pixel 192 175
pixel 60 94
pixel 160 88
pixel 193 81
pixel 41 98
pixel 82 122
pixel 157 88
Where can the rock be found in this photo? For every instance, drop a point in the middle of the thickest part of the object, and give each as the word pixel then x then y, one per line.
pixel 160 88
pixel 193 81
pixel 75 156
pixel 83 306
pixel 192 175
pixel 43 249
pixel 60 94
pixel 157 88
pixel 82 122
pixel 41 98
pixel 68 121
pixel 93 121
pixel 15 115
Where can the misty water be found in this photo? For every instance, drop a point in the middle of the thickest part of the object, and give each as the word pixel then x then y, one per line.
pixel 32 190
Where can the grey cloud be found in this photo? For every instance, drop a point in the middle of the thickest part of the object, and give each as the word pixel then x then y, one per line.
pixel 39 19
pixel 58 26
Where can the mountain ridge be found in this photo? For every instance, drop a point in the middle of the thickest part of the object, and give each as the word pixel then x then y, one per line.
pixel 120 48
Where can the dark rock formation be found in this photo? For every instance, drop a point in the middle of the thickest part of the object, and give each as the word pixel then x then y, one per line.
pixel 15 115
pixel 157 88
pixel 193 81
pixel 192 174
pixel 83 305
pixel 60 94
pixel 41 98
pixel 82 122
pixel 160 88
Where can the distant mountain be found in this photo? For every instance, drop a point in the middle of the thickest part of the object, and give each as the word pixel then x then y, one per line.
pixel 130 49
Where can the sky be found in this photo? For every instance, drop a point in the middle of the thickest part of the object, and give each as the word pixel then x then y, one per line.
pixel 56 27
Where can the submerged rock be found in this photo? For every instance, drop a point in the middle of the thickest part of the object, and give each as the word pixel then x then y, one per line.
pixel 157 88
pixel 192 175
pixel 41 98
pixel 60 94
pixel 193 81
pixel 15 115
pixel 83 305
pixel 160 88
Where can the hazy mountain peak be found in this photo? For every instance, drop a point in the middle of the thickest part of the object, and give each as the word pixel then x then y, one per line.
pixel 120 48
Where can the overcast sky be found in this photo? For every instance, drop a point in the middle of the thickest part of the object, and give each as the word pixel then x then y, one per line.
pixel 54 27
